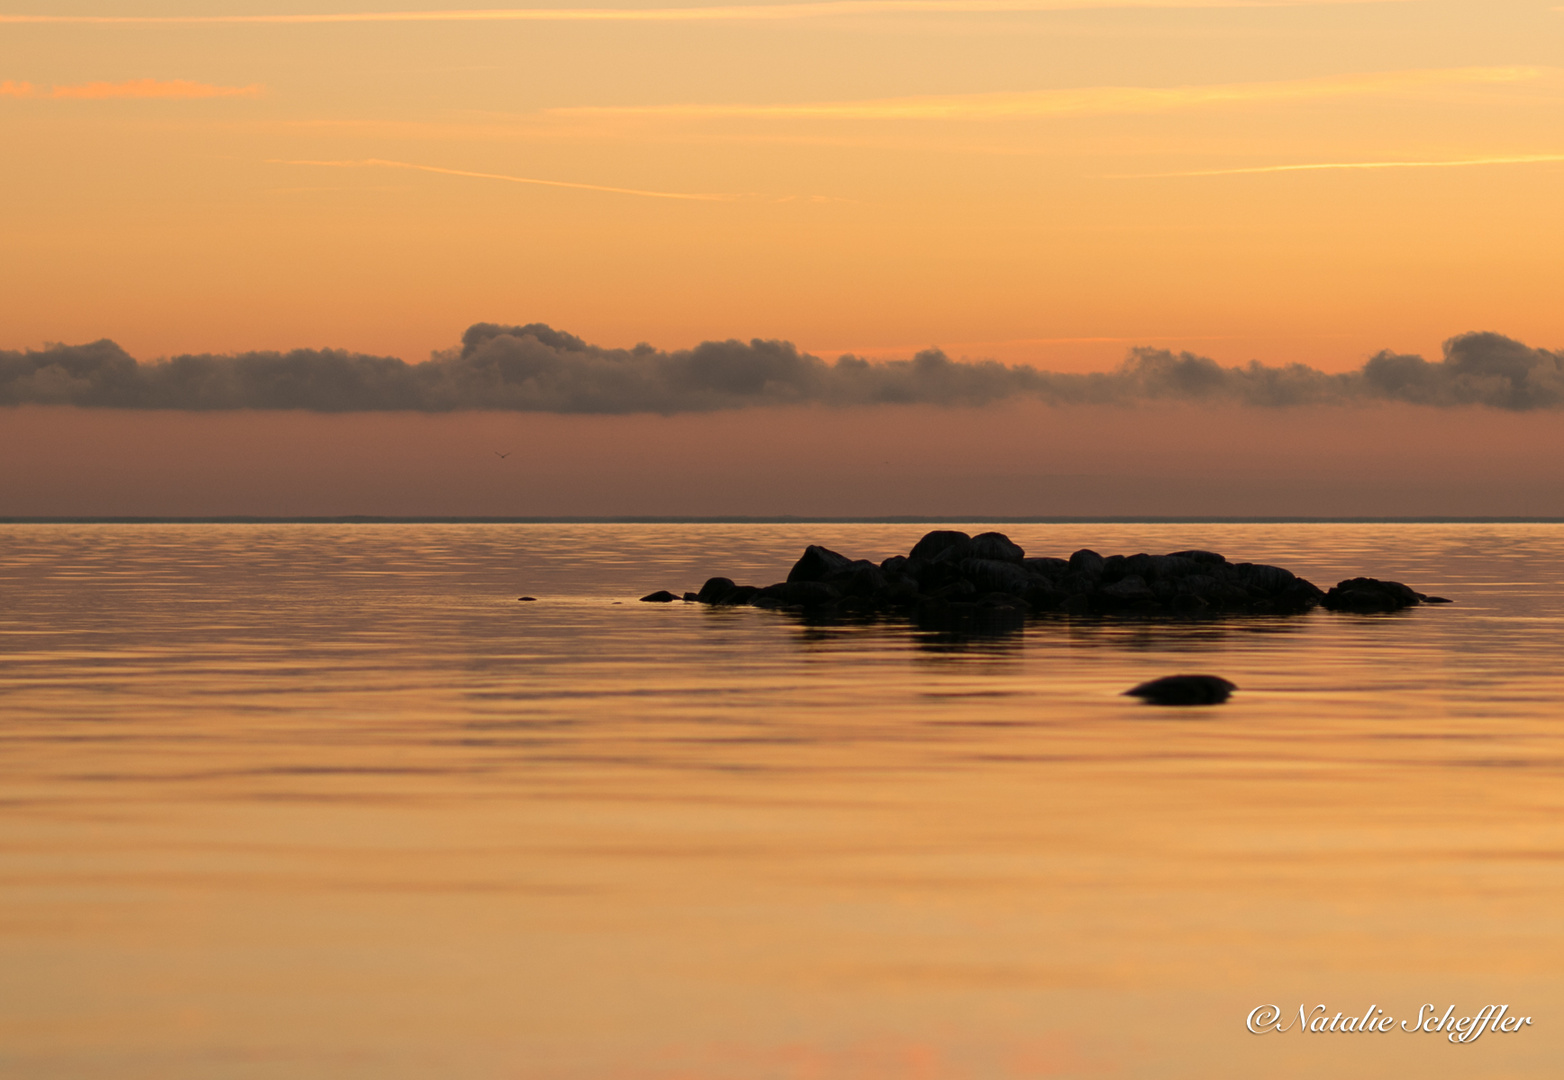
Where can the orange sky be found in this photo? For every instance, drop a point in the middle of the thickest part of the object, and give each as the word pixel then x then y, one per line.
pixel 881 177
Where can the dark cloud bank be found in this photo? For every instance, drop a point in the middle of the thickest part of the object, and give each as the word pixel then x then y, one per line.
pixel 538 369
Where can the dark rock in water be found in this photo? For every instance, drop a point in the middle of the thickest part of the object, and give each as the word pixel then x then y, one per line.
pixel 1370 594
pixel 817 564
pixel 1077 604
pixel 994 575
pixel 1208 557
pixel 938 542
pixel 1184 690
pixel 1434 599
pixel 714 590
pixel 951 579
pixel 1130 590
pixel 661 596
pixel 1001 600
pixel 526 598
pixel 690 598
pixel 1266 578
pixel 957 590
pixel 739 594
pixel 995 545
pixel 803 594
pixel 1087 561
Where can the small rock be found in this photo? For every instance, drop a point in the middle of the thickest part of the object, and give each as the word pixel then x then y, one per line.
pixel 526 598
pixel 661 596
pixel 1369 594
pixel 1184 690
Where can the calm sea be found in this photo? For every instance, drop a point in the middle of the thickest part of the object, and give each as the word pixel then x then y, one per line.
pixel 326 801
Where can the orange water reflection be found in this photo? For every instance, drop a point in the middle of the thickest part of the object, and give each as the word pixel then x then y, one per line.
pixel 325 801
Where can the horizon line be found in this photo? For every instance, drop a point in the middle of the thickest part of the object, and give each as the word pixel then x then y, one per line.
pixel 778 519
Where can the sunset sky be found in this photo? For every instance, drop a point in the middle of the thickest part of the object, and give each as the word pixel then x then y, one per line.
pixel 1050 183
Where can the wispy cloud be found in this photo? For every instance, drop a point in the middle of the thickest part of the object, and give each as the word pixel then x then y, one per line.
pixel 1083 101
pixel 152 88
pixel 726 13
pixel 133 88
pixel 378 163
pixel 1324 166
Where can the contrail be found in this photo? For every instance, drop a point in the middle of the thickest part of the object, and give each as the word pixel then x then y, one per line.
pixel 382 164
pixel 728 13
pixel 1525 159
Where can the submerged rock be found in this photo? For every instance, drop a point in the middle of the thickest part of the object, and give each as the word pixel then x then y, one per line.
pixel 1184 690
pixel 661 596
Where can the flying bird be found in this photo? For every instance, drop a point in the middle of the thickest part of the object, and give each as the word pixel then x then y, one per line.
pixel 505 455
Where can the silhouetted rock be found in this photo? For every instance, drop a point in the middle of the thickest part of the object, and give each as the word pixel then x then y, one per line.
pixel 739 594
pixel 802 594
pixel 1130 590
pixel 1208 557
pixel 951 578
pixel 714 590
pixel 993 575
pixel 1184 690
pixel 1087 561
pixel 1370 594
pixel 661 596
pixel 817 564
pixel 526 598
pixel 936 543
pixel 995 545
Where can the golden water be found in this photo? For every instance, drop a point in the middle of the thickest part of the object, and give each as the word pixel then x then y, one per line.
pixel 325 801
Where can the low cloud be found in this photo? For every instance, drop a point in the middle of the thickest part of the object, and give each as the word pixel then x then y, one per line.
pixel 536 368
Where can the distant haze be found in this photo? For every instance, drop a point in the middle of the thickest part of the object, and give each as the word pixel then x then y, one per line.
pixel 1017 458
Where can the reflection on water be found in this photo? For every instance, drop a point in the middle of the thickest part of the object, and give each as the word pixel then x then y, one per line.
pixel 327 801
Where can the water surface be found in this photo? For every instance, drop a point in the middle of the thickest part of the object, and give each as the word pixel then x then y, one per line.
pixel 328 801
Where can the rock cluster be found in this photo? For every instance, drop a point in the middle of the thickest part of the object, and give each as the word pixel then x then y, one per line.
pixel 949 574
